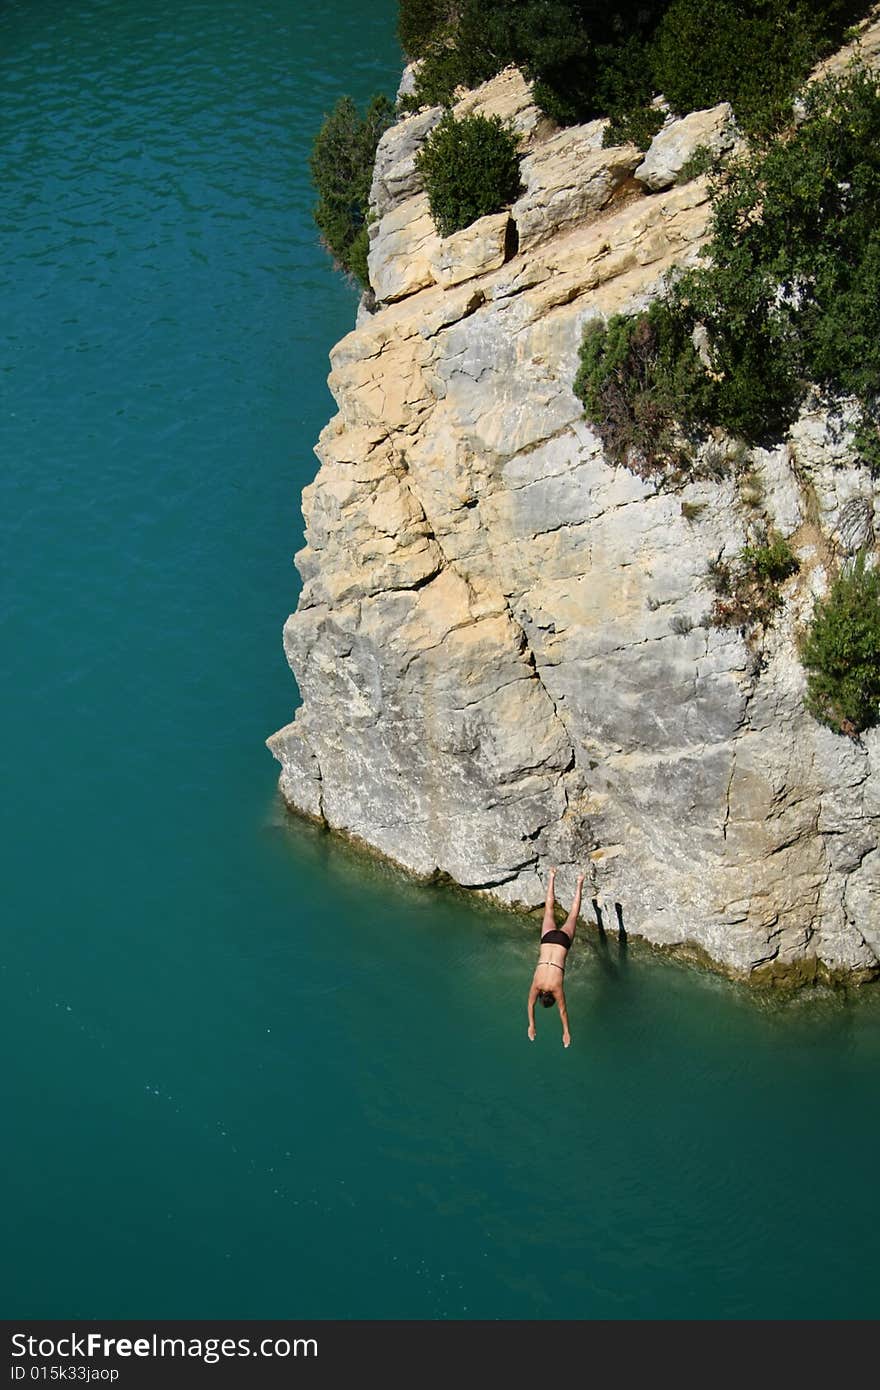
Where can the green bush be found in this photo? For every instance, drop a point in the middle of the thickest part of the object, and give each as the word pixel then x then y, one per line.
pixel 585 58
pixel 841 653
pixel 641 383
pixel 589 58
pixel 703 160
pixel 622 77
pixel 790 291
pixel 548 39
pixel 443 69
pixel 639 125
pixel 787 296
pixel 772 562
pixel 418 22
pixel 866 438
pixel 356 257
pixel 556 44
pixel 477 38
pixel 341 162
pixel 747 589
pixel 470 168
pixel 752 53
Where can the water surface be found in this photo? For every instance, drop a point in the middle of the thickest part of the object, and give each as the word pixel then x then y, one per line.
pixel 253 1075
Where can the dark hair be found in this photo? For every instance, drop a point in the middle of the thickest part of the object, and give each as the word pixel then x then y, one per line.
pixel 546 998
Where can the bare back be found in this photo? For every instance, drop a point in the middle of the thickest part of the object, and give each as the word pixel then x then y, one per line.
pixel 550 970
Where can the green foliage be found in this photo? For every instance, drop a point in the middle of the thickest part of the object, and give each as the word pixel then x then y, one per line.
pixel 590 58
pixel 408 104
pixel 342 170
pixel 747 589
pixel 444 68
pixel 752 53
pixel 841 653
pixel 790 291
pixel 470 168
pixel 356 257
pixel 772 562
pixel 704 160
pixel 866 438
pixel 585 58
pixel 641 382
pixel 622 78
pixel 787 296
pixel 548 39
pixel 418 22
pixel 477 38
pixel 639 125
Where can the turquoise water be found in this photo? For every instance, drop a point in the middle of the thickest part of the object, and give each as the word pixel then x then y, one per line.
pixel 252 1075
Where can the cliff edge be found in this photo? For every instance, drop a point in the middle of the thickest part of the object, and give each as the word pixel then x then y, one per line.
pixel 503 643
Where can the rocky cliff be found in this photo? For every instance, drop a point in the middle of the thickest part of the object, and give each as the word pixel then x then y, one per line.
pixel 503 645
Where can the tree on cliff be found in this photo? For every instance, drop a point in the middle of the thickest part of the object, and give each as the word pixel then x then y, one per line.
pixel 341 162
pixel 841 653
pixel 470 168
pixel 592 58
pixel 785 299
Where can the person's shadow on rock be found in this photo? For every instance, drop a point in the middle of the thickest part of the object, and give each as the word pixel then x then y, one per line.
pixel 612 959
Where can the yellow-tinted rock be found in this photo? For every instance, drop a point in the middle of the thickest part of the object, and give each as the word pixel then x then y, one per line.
pixel 503 644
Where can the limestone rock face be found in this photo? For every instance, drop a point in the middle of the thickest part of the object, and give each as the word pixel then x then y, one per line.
pixel 472 251
pixel 508 96
pixel 674 145
pixel 502 642
pixel 395 176
pixel 399 259
pixel 568 178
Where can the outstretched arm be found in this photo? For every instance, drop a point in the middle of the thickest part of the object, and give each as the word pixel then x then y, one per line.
pixel 563 1014
pixel 533 994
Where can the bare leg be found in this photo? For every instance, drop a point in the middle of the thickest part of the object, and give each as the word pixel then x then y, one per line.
pixel 549 921
pixel 571 920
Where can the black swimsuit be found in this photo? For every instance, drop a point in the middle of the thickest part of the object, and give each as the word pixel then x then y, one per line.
pixel 555 937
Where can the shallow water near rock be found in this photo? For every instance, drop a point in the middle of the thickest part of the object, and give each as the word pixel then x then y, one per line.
pixel 256 1074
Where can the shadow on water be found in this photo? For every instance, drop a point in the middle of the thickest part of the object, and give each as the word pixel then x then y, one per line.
pixel 612 959
pixel 618 962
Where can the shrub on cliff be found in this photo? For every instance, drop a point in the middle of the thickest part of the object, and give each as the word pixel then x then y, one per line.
pixel 442 71
pixel 790 291
pixel 866 438
pixel 638 125
pixel 342 170
pixel 752 53
pixel 747 589
pixel 590 58
pixel 786 297
pixel 419 22
pixel 549 43
pixel 470 168
pixel 641 383
pixel 841 653
pixel 585 58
